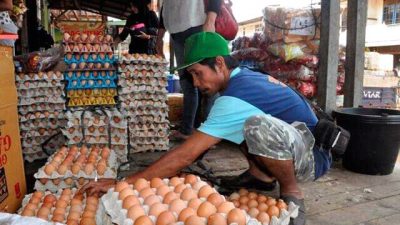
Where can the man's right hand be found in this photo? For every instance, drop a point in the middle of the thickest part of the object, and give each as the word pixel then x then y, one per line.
pixel 98 188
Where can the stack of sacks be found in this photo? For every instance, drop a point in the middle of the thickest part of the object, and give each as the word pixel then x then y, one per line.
pixel 40 105
pixel 91 73
pixel 143 96
pixel 74 167
pixel 65 207
pixel 99 128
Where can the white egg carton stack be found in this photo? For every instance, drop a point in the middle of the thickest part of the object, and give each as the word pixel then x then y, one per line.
pixel 142 95
pixel 41 102
pixel 15 219
pixel 27 200
pixel 97 128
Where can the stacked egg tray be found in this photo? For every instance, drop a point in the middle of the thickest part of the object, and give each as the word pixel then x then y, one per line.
pixel 107 127
pixel 179 200
pixel 41 101
pixel 74 167
pixel 90 73
pixel 65 207
pixel 142 95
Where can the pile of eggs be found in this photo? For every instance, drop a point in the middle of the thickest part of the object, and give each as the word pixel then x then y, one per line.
pixel 88 160
pixel 65 208
pixel 258 206
pixel 161 202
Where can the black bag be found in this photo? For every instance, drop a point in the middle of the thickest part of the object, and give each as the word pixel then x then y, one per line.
pixel 328 135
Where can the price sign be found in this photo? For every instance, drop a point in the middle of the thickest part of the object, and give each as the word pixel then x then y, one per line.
pixel 302 26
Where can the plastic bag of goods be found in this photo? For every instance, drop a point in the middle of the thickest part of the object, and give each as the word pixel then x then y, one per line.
pixel 250 54
pixel 291 24
pixel 308 89
pixel 289 71
pixel 287 52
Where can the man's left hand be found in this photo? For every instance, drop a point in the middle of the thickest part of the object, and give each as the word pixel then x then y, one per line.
pixel 143 36
pixel 209 24
pixel 98 188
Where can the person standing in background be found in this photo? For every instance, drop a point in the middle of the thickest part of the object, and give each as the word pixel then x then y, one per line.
pixel 182 18
pixel 6 24
pixel 142 26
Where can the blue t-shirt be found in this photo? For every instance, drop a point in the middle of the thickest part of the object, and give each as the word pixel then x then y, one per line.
pixel 251 93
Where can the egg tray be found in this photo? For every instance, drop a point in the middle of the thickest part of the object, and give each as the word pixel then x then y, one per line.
pixel 77 139
pixel 142 82
pixel 113 205
pixel 148 103
pixel 37 100
pixel 41 115
pixel 24 85
pixel 149 148
pixel 87 48
pixel 30 157
pixel 90 75
pixel 142 141
pixel 41 92
pixel 142 59
pixel 38 124
pixel 83 67
pixel 38 133
pixel 15 219
pixel 149 118
pixel 91 101
pixel 30 143
pixel 142 96
pixel 86 38
pixel 137 74
pixel 115 118
pixel 90 84
pixel 148 126
pixel 121 151
pixel 136 70
pixel 57 184
pixel 92 93
pixel 94 131
pixel 111 171
pixel 143 89
pixel 92 58
pixel 50 75
pixel 99 212
pixel 41 107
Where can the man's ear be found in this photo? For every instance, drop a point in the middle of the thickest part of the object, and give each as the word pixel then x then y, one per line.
pixel 219 63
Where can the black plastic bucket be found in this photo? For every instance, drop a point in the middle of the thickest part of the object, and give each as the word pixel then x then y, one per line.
pixel 375 139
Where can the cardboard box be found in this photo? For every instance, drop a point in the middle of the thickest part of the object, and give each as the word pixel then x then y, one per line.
pixel 12 176
pixel 175 105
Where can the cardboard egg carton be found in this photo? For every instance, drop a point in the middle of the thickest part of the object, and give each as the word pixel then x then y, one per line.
pixel 142 59
pixel 139 81
pixel 126 73
pixel 110 92
pixel 42 123
pixel 43 99
pixel 15 219
pixel 135 70
pixel 41 92
pixel 83 66
pixel 41 115
pixel 143 89
pixel 87 48
pixel 91 101
pixel 87 38
pixel 86 57
pixel 41 132
pixel 23 85
pixel 142 96
pixel 137 126
pixel 50 75
pixel 30 157
pixel 148 140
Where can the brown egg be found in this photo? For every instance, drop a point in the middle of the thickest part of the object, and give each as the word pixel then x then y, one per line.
pixel 215 199
pixel 49 168
pixel 69 181
pixel 57 158
pixel 244 207
pixel 262 207
pixel 217 219
pixel 144 193
pixel 205 191
pixel 141 184
pixel 50 198
pixel 92 200
pixel 38 194
pixel 261 198
pixel 90 207
pixel 47 205
pixel 28 212
pixel 43 213
pixel 61 204
pixel 88 214
pixel 130 201
pixel 125 193
pixel 152 199
pixel 206 209
pixel 243 200
pixel 66 191
pixel 174 181
pixel 143 220
pixel 185 213
pixel 76 167
pixel 163 190
pixel 263 217
pixel 135 212
pixel 236 216
pixel 76 201
pixel 199 184
pixel 78 196
pixel 252 195
pixel 31 206
pixel 177 205
pixel 270 202
pixel 188 194
pixel 74 215
pixel 157 208
pixel 156 182
pixel 243 192
pixel 169 197
pixel 121 186
pixel 58 218
pixel 43 180
pixel 281 204
pixel 195 220
pixel 166 218
pixel 34 200
pixel 253 212
pixel 101 169
pixel 56 181
pixel 234 196
pixel 179 188
pixel 84 150
pixel 194 203
pixel 252 203
pixel 105 153
pixel 273 211
pixel 89 168
pixel 236 203
pixel 76 208
pixel 190 179
pixel 88 221
pixel 225 207
pixel 72 222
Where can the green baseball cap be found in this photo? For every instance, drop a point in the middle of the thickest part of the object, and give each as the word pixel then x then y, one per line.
pixel 203 45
